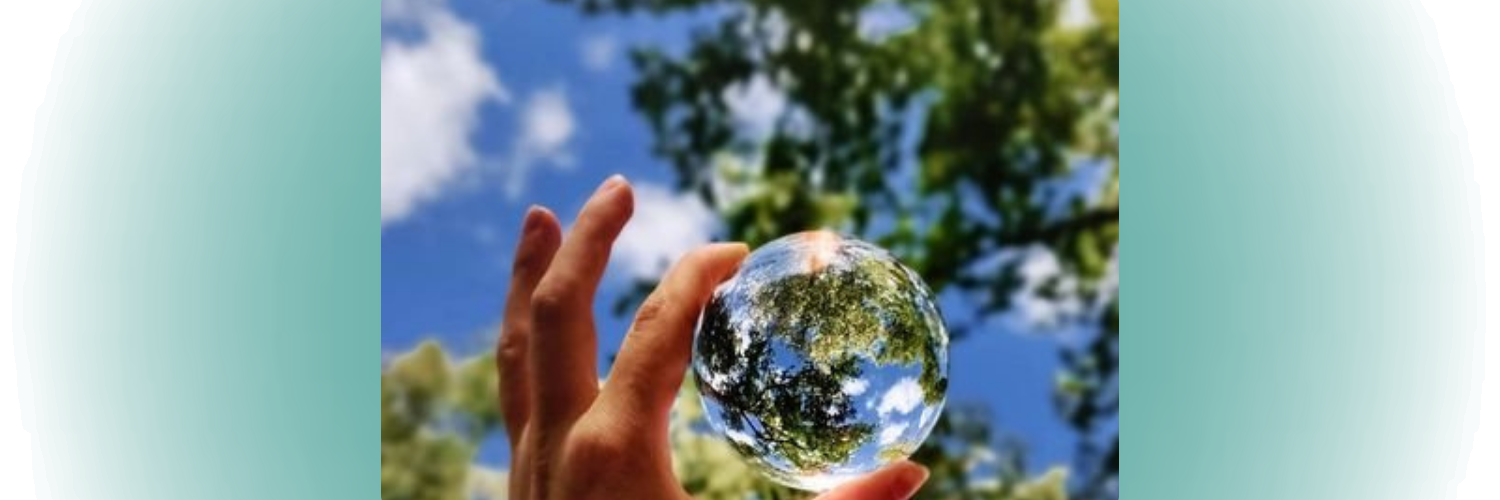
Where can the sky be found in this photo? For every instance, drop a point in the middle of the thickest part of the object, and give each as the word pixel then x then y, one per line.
pixel 488 107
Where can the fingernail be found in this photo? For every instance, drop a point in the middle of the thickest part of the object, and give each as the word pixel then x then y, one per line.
pixel 909 481
pixel 610 183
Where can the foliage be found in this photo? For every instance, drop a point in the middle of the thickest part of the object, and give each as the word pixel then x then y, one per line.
pixel 975 139
pixel 432 417
pixel 431 426
pixel 711 470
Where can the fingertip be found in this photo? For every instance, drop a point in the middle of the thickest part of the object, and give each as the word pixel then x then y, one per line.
pixel 622 186
pixel 612 205
pixel 538 218
pixel 897 481
pixel 730 250
pixel 540 236
pixel 627 195
pixel 542 212
pixel 617 189
pixel 910 476
pixel 612 182
pixel 720 260
pixel 529 222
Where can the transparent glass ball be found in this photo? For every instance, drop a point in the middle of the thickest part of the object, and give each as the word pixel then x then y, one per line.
pixel 822 359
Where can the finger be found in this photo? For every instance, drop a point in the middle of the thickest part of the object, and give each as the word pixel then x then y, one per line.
pixel 897 481
pixel 563 350
pixel 651 363
pixel 540 236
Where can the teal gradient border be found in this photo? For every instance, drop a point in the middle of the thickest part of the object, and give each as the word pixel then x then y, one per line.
pixel 1301 254
pixel 201 286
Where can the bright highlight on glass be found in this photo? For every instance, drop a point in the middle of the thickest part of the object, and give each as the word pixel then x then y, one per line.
pixel 822 359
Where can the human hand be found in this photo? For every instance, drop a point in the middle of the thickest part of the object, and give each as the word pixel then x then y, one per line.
pixel 572 438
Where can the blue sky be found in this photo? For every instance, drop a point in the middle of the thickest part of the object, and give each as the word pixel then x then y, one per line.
pixel 490 106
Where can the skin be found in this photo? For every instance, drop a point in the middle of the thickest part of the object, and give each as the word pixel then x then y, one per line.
pixel 572 438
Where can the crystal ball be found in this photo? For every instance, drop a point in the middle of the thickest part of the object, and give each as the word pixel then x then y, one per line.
pixel 822 359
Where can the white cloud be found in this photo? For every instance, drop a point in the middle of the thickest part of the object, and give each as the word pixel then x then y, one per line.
pixel 892 432
pixel 431 90
pixel 755 105
pixel 903 397
pixel 855 387
pixel 1038 266
pixel 548 120
pixel 598 52
pixel 547 126
pixel 665 226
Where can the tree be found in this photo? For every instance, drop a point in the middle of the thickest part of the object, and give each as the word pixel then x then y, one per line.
pixel 711 470
pixel 433 415
pixel 431 425
pixel 970 137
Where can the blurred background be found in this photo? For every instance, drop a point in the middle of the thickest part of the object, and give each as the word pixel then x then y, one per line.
pixel 977 140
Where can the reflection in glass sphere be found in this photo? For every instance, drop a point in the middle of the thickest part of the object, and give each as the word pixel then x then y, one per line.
pixel 822 359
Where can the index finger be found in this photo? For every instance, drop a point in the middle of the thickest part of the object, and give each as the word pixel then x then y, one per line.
pixel 654 357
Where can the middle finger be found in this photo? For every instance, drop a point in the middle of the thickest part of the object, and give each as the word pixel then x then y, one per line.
pixel 563 343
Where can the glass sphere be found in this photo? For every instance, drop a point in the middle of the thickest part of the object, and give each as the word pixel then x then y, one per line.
pixel 822 359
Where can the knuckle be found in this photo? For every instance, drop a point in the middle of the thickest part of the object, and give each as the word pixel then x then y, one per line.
pixel 597 448
pixel 651 311
pixel 512 351
pixel 549 302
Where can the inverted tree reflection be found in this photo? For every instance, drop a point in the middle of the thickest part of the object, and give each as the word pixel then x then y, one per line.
pixel 778 350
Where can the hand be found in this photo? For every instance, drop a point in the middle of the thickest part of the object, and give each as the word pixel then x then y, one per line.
pixel 573 439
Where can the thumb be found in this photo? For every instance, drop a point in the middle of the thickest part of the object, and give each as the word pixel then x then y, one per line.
pixel 898 481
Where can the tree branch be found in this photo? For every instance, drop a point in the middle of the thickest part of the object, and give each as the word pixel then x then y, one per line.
pixel 1086 220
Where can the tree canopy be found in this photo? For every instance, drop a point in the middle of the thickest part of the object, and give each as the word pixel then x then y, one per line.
pixel 978 140
pixel 431 427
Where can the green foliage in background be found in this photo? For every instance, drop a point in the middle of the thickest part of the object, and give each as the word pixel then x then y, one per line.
pixel 975 139
pixel 435 412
